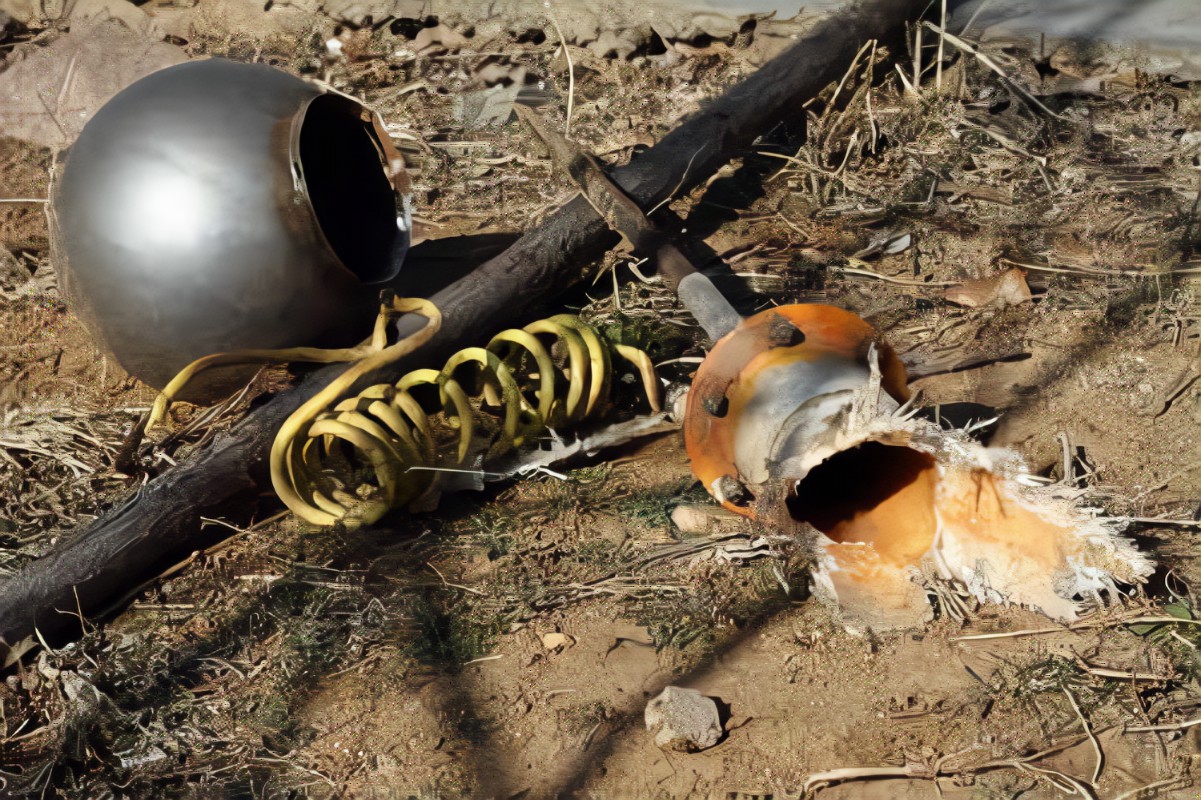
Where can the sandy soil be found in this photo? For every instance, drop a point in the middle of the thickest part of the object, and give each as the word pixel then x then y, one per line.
pixel 410 659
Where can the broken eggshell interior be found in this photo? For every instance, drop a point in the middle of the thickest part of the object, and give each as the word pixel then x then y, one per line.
pixel 797 417
pixel 215 206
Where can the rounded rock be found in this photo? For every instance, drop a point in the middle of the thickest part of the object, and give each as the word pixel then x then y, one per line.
pixel 683 720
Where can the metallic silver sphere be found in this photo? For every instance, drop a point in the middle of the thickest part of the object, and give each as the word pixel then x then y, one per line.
pixel 216 206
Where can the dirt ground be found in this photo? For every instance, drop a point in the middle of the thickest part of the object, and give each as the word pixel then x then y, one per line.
pixel 506 644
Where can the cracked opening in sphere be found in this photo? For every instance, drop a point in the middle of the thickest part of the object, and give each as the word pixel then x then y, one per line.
pixel 345 174
pixel 876 494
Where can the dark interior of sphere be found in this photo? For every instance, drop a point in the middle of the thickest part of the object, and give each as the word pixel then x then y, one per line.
pixel 855 481
pixel 345 174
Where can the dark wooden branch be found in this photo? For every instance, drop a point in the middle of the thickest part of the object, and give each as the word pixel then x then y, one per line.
pixel 99 568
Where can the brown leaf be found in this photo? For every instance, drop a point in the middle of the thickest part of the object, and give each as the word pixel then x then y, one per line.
pixel 556 641
pixel 1004 290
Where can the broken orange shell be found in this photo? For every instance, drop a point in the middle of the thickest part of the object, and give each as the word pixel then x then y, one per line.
pixel 807 400
pixel 755 380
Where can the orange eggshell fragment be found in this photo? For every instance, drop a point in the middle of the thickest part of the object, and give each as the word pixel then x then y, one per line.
pixel 874 589
pixel 770 338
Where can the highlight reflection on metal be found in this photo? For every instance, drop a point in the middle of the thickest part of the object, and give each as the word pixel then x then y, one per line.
pixel 217 206
pixel 755 393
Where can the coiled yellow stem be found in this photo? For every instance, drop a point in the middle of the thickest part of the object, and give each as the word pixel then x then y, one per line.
pixel 350 461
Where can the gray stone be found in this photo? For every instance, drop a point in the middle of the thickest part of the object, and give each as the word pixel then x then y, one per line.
pixel 683 720
pixel 47 93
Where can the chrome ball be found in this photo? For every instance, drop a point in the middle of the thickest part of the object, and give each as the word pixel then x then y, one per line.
pixel 215 206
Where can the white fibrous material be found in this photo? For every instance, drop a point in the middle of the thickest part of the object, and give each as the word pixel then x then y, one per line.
pixel 970 515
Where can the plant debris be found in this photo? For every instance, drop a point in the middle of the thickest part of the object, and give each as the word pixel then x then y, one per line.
pixel 510 642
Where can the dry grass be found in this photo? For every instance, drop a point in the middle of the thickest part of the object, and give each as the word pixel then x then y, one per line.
pixel 198 688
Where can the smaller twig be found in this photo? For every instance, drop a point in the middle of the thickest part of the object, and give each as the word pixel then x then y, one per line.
pixel 421 83
pixel 221 545
pixel 1183 523
pixel 481 473
pixel 592 733
pixel 942 24
pixel 357 665
pixel 1042 173
pixel 1176 635
pixel 867 96
pixel 616 291
pixel 447 583
pixel 1133 793
pixel 256 526
pixel 1119 674
pixel 972 19
pixel 1153 621
pixel 1005 142
pixel 671 195
pixel 846 76
pixel 819 780
pixel 988 62
pixel 1095 272
pixel 1078 626
pixel 909 90
pixel 1165 728
pixel 793 225
pixel 570 71
pixel 1073 786
pixel 483 658
pixel 292 765
pixel 1065 444
pixel 867 273
pixel 1091 737
pixel 917 57
pixel 648 279
pixel 23 200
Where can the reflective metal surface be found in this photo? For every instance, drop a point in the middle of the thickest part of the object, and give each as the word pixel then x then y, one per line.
pixel 768 391
pixel 216 206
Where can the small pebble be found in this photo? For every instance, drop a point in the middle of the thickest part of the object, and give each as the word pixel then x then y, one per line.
pixel 683 720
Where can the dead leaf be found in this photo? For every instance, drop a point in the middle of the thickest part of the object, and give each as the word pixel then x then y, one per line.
pixel 442 36
pixel 47 94
pixel 1004 290
pixel 556 641
pixel 484 107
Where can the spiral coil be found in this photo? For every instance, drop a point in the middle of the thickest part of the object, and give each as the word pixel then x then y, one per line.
pixel 350 460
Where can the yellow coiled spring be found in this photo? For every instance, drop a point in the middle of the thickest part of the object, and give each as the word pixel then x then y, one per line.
pixel 352 460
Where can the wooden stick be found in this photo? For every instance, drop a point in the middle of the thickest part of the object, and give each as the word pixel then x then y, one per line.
pixel 698 294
